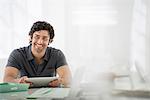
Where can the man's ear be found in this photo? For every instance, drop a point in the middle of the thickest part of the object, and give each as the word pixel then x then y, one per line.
pixel 30 39
pixel 51 40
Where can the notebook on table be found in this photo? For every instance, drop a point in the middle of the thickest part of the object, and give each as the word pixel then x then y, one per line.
pixel 13 87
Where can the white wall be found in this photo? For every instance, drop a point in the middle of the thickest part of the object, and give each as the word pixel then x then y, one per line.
pixel 99 33
pixel 2 68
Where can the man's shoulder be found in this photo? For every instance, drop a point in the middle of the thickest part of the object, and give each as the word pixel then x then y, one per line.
pixel 54 51
pixel 20 50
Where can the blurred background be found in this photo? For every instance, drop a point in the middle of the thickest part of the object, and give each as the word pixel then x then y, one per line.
pixel 95 35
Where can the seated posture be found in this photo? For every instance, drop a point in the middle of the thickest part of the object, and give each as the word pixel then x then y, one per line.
pixel 37 59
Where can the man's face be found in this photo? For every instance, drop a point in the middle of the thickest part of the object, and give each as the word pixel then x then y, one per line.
pixel 40 41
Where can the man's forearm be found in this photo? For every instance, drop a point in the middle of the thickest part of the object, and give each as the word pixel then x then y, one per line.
pixel 16 80
pixel 66 81
pixel 11 79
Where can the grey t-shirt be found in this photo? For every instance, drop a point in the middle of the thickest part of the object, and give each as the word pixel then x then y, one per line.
pixel 23 60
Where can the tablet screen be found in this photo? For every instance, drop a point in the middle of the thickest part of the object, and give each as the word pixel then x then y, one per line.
pixel 41 81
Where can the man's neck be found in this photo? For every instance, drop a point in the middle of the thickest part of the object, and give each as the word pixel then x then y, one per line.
pixel 38 56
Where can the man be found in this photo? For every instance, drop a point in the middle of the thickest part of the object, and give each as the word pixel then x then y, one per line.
pixel 38 60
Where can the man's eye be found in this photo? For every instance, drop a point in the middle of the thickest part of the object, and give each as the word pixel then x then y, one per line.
pixel 36 37
pixel 45 39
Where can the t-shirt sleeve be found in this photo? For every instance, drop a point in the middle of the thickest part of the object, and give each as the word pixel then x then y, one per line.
pixel 61 60
pixel 13 59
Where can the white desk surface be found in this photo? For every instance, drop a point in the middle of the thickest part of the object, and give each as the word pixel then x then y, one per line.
pixel 24 94
pixel 87 94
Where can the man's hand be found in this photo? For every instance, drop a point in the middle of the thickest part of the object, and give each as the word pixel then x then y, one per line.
pixel 55 83
pixel 24 80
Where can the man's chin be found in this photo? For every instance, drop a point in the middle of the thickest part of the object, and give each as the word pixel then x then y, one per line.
pixel 39 50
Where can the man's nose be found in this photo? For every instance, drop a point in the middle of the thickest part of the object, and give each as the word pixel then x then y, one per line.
pixel 40 41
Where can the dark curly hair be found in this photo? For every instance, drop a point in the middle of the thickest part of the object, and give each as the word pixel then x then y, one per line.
pixel 42 25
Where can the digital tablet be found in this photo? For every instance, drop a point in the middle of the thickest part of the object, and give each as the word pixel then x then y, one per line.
pixel 40 81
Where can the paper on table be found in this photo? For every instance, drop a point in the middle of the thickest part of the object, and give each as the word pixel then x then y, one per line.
pixel 50 92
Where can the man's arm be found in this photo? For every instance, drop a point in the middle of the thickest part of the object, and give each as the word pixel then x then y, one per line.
pixel 11 75
pixel 65 77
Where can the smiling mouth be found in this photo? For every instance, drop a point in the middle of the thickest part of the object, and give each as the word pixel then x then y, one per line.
pixel 39 46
